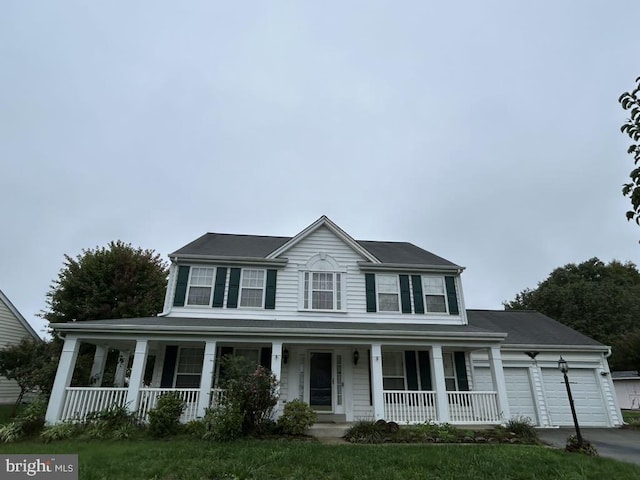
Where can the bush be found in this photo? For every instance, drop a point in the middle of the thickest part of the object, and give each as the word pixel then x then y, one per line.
pixel 523 428
pixel 366 431
pixel 296 418
pixel 223 423
pixel 28 421
pixel 164 419
pixel 110 422
pixel 60 431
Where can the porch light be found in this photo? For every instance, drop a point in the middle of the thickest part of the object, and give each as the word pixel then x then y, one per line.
pixel 285 356
pixel 356 357
pixel 564 368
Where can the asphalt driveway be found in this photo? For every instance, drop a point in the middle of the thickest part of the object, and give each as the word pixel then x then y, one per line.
pixel 619 443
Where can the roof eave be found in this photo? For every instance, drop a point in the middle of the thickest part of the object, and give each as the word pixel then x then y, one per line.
pixel 409 267
pixel 554 348
pixel 225 260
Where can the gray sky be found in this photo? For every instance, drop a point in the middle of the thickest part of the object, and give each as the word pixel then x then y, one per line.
pixel 485 132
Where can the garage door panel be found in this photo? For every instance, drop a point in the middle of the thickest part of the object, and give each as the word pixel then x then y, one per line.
pixel 519 394
pixel 586 394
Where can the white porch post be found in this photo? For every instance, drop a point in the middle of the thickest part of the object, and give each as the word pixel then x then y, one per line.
pixel 276 370
pixel 442 400
pixel 63 379
pixel 376 381
pixel 121 368
pixel 99 361
pixel 497 375
pixel 137 374
pixel 206 380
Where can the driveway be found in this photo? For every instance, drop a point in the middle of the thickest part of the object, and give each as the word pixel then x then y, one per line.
pixel 621 444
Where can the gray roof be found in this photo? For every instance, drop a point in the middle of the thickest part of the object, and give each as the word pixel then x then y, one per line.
pixel 526 327
pixel 257 246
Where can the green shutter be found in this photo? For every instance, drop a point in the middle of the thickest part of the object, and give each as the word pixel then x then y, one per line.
pixel 234 288
pixel 218 291
pixel 461 371
pixel 370 288
pixel 425 370
pixel 410 366
pixel 405 294
pixel 169 366
pixel 270 296
pixel 181 286
pixel 452 297
pixel 418 298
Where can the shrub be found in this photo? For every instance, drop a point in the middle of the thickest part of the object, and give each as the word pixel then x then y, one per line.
pixel 523 428
pixel 105 423
pixel 28 421
pixel 164 419
pixel 585 447
pixel 60 431
pixel 296 418
pixel 223 423
pixel 366 431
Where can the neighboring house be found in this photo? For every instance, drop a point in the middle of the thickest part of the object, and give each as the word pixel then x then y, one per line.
pixel 627 386
pixel 357 329
pixel 13 328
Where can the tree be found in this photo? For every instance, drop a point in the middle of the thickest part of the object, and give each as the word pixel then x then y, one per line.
pixel 32 364
pixel 631 101
pixel 626 352
pixel 601 301
pixel 118 281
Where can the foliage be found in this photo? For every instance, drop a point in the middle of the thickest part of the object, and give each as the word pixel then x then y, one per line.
pixel 631 101
pixel 114 422
pixel 60 431
pixel 523 427
pixel 32 364
pixel 599 300
pixel 586 448
pixel 296 418
pixel 118 281
pixel 164 419
pixel 626 351
pixel 27 422
pixel 224 423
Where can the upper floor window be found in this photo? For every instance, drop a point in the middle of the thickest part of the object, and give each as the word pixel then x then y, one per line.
pixel 388 294
pixel 435 297
pixel 322 290
pixel 252 288
pixel 200 286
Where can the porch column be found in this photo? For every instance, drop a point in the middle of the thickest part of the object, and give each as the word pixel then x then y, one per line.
pixel 121 368
pixel 97 369
pixel 63 379
pixel 276 370
pixel 137 374
pixel 442 399
pixel 376 381
pixel 206 380
pixel 497 375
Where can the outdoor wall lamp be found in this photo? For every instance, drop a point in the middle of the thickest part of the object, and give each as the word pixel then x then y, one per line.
pixel 285 356
pixel 564 368
pixel 356 356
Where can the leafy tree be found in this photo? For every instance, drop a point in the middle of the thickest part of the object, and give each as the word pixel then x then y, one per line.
pixel 631 101
pixel 118 281
pixel 32 364
pixel 601 301
pixel 626 352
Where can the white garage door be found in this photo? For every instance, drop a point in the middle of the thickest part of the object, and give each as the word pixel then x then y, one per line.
pixel 518 390
pixel 586 394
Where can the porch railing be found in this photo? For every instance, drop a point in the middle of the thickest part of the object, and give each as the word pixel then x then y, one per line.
pixel 420 406
pixel 81 401
pixel 149 398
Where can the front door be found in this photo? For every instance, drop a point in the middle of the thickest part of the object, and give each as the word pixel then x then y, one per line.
pixel 320 381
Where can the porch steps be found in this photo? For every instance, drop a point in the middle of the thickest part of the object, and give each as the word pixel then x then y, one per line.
pixel 328 431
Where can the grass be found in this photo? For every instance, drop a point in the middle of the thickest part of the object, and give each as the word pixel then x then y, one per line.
pixel 632 418
pixel 183 458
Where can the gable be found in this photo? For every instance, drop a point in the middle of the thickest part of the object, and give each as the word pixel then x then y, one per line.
pixel 13 325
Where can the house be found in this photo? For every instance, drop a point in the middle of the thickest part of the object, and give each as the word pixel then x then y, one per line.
pixel 357 329
pixel 13 328
pixel 627 387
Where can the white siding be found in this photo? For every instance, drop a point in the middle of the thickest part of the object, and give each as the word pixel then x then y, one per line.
pixel 628 392
pixel 362 408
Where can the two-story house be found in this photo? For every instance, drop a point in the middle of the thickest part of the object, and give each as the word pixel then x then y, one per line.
pixel 357 329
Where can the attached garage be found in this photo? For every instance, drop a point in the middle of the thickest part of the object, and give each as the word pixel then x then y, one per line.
pixel 519 394
pixel 586 393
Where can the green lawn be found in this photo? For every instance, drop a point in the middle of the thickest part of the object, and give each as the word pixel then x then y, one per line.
pixel 192 459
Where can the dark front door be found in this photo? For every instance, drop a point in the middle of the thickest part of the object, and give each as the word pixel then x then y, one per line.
pixel 320 381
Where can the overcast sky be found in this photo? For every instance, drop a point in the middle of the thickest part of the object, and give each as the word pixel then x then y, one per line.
pixel 485 132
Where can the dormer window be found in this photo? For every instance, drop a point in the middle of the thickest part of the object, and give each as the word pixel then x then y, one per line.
pixel 252 288
pixel 200 286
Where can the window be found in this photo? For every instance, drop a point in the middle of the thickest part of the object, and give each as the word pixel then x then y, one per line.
pixel 252 288
pixel 251 354
pixel 322 291
pixel 189 367
pixel 435 298
pixel 388 293
pixel 200 286
pixel 392 371
pixel 450 379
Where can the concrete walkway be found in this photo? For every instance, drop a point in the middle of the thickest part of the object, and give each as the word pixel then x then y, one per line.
pixel 619 443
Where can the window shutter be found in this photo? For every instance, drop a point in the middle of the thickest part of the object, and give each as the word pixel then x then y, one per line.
pixel 370 377
pixel 169 366
pixel 270 296
pixel 265 357
pixel 461 371
pixel 218 292
pixel 234 288
pixel 181 286
pixel 425 370
pixel 452 297
pixel 418 298
pixel 405 294
pixel 412 373
pixel 370 288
